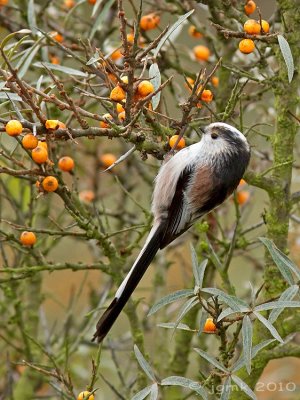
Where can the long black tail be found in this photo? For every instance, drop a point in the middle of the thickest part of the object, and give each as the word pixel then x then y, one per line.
pixel 131 281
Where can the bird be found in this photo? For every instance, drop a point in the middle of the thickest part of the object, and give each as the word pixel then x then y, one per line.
pixel 190 184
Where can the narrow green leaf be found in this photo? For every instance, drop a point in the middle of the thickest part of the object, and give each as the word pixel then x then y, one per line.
pixel 247 333
pixel 211 359
pixel 278 304
pixel 66 20
pixel 287 55
pixel 186 383
pixel 11 35
pixel 225 313
pixel 60 68
pixel 31 16
pixel 26 60
pixel 13 96
pixel 154 392
pixel 226 389
pixel 170 31
pixel 269 326
pixel 144 363
pixel 255 350
pixel 244 387
pixel 170 298
pixel 188 305
pixel 172 325
pixel 233 302
pixel 101 18
pixel 142 394
pixel 288 294
pixel 203 318
pixel 284 264
pixel 155 77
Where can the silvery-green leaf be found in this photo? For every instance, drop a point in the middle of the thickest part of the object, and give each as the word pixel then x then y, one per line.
pixel 195 265
pixel 211 359
pixel 226 389
pixel 269 326
pixel 13 96
pixel 186 383
pixel 31 16
pixel 170 31
pixel 243 386
pixel 142 394
pixel 287 55
pixel 155 77
pixel 233 302
pixel 11 35
pixel 26 60
pixel 255 350
pixel 154 392
pixel 144 363
pixel 288 294
pixel 71 11
pixel 188 305
pixel 203 318
pixel 170 298
pixel 60 68
pixel 284 264
pixel 277 305
pixel 172 325
pixel 247 333
pixel 101 18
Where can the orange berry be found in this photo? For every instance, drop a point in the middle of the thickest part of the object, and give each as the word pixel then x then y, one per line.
pixel 207 96
pixel 242 197
pixel 50 184
pixel 209 326
pixel 144 88
pixel 85 395
pixel 66 164
pixel 120 108
pixel 54 60
pixel 87 196
pixel 116 55
pixel 69 3
pixel 191 82
pixel 252 27
pixel 107 159
pixel 112 77
pixel 193 31
pixel 61 125
pixel 242 182
pixel 27 238
pixel 117 94
pixel 43 144
pixel 250 7
pixel 215 81
pixel 58 37
pixel 29 141
pixel 39 155
pixel 201 52
pixel 173 140
pixel 52 124
pixel 14 127
pixel 92 2
pixel 246 46
pixel 104 124
pixel 121 116
pixel 130 38
pixel 149 21
pixel 265 26
pixel 3 2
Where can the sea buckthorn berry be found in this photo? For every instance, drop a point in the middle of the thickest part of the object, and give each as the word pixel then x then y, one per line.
pixel 92 1
pixel 29 141
pixel 58 37
pixel 121 116
pixel 202 53
pixel 242 197
pixel 116 55
pixel 3 2
pixel 13 127
pixel 107 159
pixel 130 37
pixel 39 155
pixel 27 238
pixel 144 88
pixel 215 81
pixel 61 125
pixel 120 108
pixel 69 3
pixel 66 164
pixel 252 27
pixel 85 395
pixel 242 182
pixel 191 82
pixel 207 96
pixel 209 325
pixel 173 140
pixel 54 59
pixel 52 124
pixel 250 7
pixel 149 22
pixel 104 124
pixel 193 31
pixel 43 144
pixel 117 94
pixel 265 26
pixel 246 46
pixel 87 196
pixel 50 184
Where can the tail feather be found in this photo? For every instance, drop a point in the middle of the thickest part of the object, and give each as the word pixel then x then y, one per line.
pixel 131 281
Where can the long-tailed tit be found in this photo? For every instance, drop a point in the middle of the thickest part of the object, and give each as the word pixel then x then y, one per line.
pixel 189 185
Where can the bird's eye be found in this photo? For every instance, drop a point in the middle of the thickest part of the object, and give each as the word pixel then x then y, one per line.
pixel 214 135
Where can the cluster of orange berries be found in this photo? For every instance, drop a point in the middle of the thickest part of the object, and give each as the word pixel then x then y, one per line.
pixel 252 27
pixel 242 195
